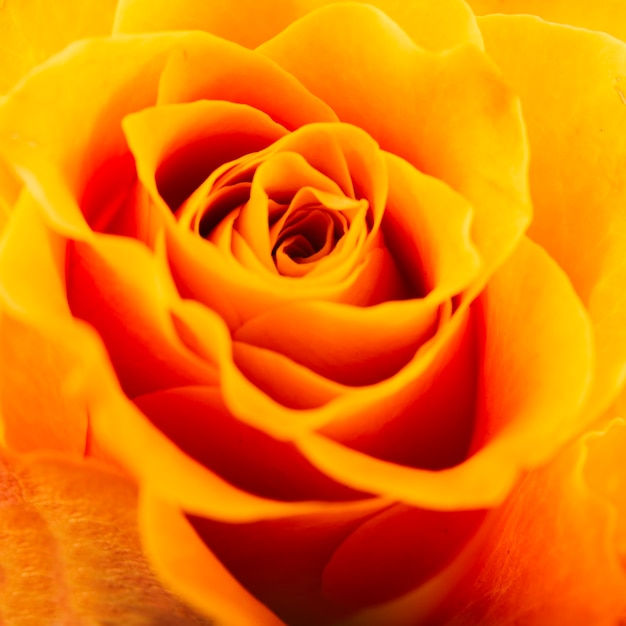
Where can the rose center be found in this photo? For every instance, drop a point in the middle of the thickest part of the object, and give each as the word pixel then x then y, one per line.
pixel 306 236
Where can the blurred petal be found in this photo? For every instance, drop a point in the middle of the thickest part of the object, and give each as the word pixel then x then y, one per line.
pixel 9 191
pixel 608 16
pixel 36 366
pixel 434 26
pixel 570 85
pixel 606 476
pixel 33 30
pixel 192 571
pixel 70 550
pixel 549 557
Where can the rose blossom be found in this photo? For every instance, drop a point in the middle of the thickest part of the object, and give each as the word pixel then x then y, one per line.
pixel 329 282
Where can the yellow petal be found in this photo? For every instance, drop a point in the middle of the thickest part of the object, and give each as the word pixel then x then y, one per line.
pixel 409 101
pixel 33 30
pixel 36 366
pixel 70 550
pixel 572 85
pixel 608 16
pixel 9 191
pixel 434 26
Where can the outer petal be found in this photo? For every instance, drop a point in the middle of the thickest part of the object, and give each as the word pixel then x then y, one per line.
pixel 38 408
pixel 572 85
pixel 435 26
pixel 604 15
pixel 33 30
pixel 70 549
pixel 550 557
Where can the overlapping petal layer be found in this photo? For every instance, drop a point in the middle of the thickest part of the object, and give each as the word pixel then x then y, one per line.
pixel 274 216
pixel 479 149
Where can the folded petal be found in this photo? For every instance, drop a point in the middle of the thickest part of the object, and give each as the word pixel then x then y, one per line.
pixel 527 397
pixel 282 561
pixel 196 420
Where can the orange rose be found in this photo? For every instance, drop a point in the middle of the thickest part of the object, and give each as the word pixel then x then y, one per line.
pixel 275 264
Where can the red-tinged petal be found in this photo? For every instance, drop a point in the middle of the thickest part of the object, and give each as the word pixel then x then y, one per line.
pixel 394 552
pixel 408 100
pixel 183 561
pixel 608 16
pixel 282 561
pixel 33 30
pixel 527 398
pixel 70 551
pixel 570 85
pixel 429 422
pixel 196 420
pixel 532 395
pixel 435 27
pixel 115 285
pixel 120 432
pixel 124 433
pixel 288 383
pixel 549 557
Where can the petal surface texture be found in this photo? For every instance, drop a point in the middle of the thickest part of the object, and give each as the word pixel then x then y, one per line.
pixel 71 551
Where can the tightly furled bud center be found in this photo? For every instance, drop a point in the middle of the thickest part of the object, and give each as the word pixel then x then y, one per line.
pixel 278 209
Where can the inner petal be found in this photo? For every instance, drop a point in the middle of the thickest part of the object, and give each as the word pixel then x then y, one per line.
pixel 307 237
